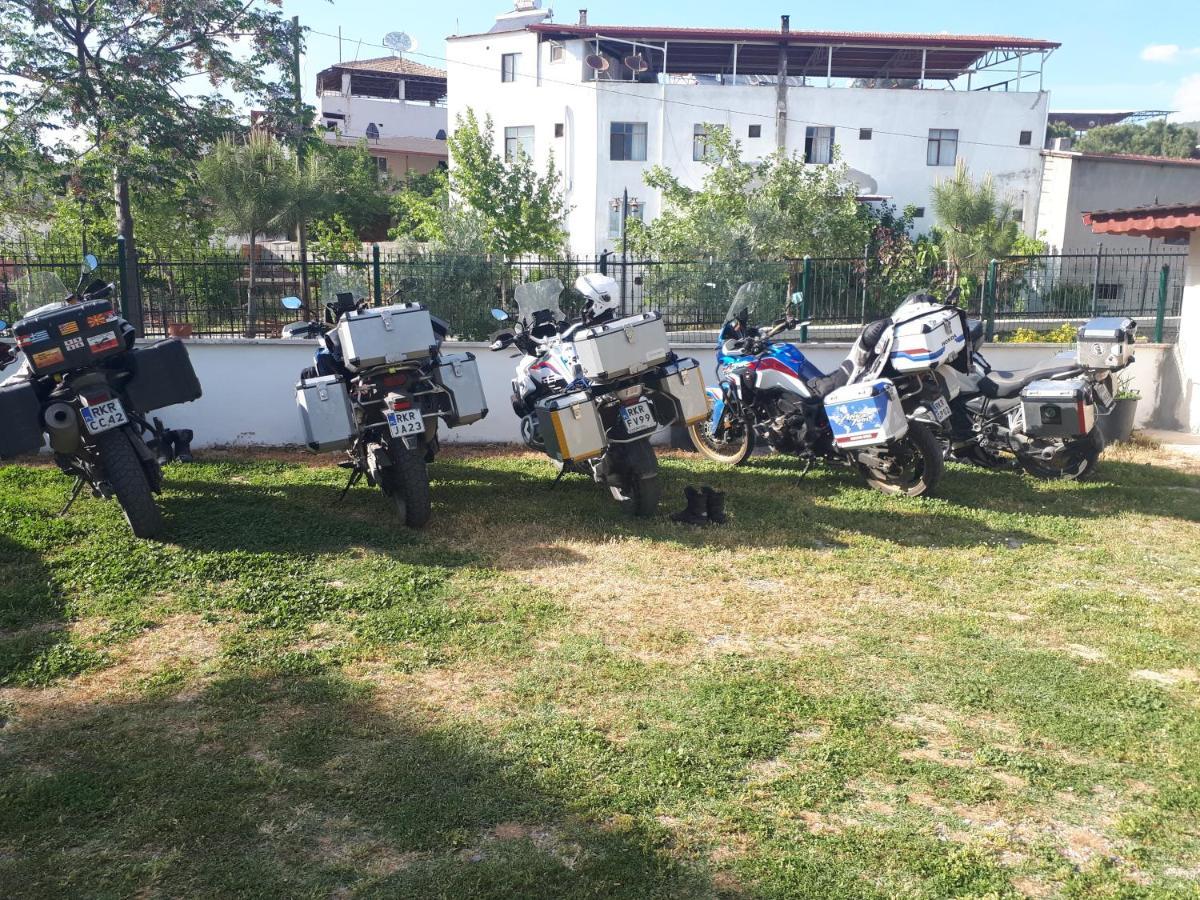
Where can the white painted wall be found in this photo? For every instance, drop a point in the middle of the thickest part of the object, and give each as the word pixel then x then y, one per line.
pixel 892 162
pixel 1184 368
pixel 395 118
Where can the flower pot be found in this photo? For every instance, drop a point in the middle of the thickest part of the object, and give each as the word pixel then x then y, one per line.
pixel 179 329
pixel 1117 426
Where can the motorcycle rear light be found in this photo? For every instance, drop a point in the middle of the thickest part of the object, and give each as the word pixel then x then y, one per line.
pixel 93 399
pixel 396 380
pixel 630 395
pixel 399 405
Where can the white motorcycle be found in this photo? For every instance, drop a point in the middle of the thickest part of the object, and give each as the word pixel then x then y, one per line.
pixel 591 393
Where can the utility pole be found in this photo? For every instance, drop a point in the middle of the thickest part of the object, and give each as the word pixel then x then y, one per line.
pixel 301 136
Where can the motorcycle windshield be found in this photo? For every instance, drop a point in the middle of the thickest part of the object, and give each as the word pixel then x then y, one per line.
pixel 343 280
pixel 37 289
pixel 538 296
pixel 756 299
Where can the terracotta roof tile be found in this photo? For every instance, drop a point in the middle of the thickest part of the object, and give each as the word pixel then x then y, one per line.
pixel 390 65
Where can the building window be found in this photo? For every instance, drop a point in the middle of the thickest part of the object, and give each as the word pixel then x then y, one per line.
pixel 518 140
pixel 818 145
pixel 1026 138
pixel 441 135
pixel 508 66
pixel 627 141
pixel 1018 215
pixel 700 147
pixel 614 214
pixel 1108 291
pixel 372 131
pixel 558 129
pixel 380 165
pixel 943 147
pixel 755 131
pixel 919 212
pixel 865 134
pixel 556 51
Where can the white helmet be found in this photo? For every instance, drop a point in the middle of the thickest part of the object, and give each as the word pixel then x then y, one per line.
pixel 600 291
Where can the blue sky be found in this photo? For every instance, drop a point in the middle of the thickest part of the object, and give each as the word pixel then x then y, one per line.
pixel 1113 57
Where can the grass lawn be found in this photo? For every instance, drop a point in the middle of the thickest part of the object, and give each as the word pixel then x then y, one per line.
pixel 839 694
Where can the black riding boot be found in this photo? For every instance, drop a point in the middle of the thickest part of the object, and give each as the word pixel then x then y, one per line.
pixel 715 503
pixel 695 513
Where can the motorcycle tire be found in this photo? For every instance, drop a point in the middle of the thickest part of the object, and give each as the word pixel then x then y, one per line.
pixel 637 466
pixel 406 482
pixel 125 474
pixel 1077 461
pixel 731 452
pixel 985 459
pixel 922 468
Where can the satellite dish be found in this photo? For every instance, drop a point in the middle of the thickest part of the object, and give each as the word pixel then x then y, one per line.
pixel 596 61
pixel 399 41
pixel 636 63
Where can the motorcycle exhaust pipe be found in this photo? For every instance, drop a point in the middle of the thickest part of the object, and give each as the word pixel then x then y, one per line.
pixel 62 424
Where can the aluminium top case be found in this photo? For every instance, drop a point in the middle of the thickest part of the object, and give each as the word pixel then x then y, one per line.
pixel 385 335
pixel 624 347
pixel 1106 343
pixel 930 336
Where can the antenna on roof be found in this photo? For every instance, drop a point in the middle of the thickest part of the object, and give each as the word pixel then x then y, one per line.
pixel 399 41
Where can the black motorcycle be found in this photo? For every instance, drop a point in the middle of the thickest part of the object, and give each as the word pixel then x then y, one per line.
pixel 84 386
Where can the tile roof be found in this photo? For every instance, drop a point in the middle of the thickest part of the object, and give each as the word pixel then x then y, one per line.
pixel 390 65
pixel 1146 221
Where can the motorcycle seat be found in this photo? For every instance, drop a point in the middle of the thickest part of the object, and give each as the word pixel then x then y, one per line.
pixel 998 384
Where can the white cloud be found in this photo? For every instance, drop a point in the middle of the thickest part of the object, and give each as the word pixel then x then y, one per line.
pixel 1168 53
pixel 1187 100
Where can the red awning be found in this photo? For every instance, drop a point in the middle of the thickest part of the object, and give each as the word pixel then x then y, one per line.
pixel 1146 221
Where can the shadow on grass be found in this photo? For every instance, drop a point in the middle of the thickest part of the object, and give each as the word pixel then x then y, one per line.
pixel 33 631
pixel 300 787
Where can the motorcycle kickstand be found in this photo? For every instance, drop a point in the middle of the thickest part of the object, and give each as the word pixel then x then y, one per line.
pixel 355 476
pixel 807 468
pixel 74 496
pixel 558 477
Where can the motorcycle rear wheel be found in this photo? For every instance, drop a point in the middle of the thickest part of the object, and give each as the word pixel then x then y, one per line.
pixel 921 465
pixel 124 471
pixel 1077 461
pixel 637 466
pixel 406 482
pixel 733 450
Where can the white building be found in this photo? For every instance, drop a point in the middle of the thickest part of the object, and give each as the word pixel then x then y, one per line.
pixel 394 104
pixel 610 100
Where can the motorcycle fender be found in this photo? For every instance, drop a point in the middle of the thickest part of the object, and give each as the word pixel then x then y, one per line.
pixel 717 396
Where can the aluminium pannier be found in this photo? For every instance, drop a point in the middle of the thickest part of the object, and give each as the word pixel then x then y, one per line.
pixel 162 376
pixel 385 335
pixel 571 427
pixel 20 420
pixel 624 347
pixel 1106 343
pixel 683 383
pixel 458 373
pixel 866 414
pixel 1058 409
pixel 325 413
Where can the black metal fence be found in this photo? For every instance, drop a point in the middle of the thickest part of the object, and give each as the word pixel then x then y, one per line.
pixel 207 293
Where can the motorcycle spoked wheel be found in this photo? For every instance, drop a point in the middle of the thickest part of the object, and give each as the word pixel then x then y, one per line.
pixel 123 469
pixel 732 449
pixel 637 467
pixel 917 465
pixel 1076 461
pixel 406 482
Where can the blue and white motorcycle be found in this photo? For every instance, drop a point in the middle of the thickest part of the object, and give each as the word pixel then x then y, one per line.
pixel 865 415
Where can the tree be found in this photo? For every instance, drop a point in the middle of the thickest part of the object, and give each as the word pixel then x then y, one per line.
pixel 109 78
pixel 1058 130
pixel 354 189
pixel 256 186
pixel 520 210
pixel 975 224
pixel 1156 138
pixel 776 208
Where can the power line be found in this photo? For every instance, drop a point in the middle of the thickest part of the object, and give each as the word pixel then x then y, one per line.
pixel 601 86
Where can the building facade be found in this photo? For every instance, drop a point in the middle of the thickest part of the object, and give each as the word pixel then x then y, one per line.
pixel 394 105
pixel 607 102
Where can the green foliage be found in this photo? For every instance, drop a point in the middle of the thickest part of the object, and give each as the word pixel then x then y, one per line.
pixel 1069 299
pixel 1063 334
pixel 333 238
pixel 350 188
pixel 975 224
pixel 775 208
pixel 421 208
pixel 1059 130
pixel 1156 138
pixel 516 209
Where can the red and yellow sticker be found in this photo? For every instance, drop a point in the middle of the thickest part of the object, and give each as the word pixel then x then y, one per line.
pixel 47 358
pixel 97 319
pixel 67 328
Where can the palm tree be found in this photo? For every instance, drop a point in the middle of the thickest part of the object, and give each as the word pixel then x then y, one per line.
pixel 976 224
pixel 255 187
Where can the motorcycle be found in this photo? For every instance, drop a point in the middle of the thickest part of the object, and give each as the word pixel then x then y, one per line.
pixel 591 393
pixel 1040 419
pixel 863 415
pixel 85 386
pixel 378 384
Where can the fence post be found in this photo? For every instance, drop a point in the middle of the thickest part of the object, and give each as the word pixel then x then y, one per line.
pixel 121 271
pixel 1096 281
pixel 989 301
pixel 1163 277
pixel 862 315
pixel 376 275
pixel 805 282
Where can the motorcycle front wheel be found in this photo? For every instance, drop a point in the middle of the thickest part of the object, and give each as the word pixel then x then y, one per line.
pixel 125 474
pixel 637 467
pixel 915 465
pixel 406 482
pixel 1077 460
pixel 732 448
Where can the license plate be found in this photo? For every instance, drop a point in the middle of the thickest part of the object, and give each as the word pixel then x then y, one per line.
pixel 1103 394
pixel 940 409
pixel 406 422
pixel 638 417
pixel 103 416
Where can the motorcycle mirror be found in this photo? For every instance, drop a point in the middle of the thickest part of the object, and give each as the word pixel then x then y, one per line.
pixel 90 264
pixel 3 325
pixel 292 303
pixel 499 315
pixel 798 298
pixel 954 294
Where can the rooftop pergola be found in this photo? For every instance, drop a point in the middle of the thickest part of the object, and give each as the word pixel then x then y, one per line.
pixel 732 53
pixel 387 78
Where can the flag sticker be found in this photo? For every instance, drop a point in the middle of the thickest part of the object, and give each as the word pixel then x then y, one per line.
pixel 73 344
pixel 102 343
pixel 97 319
pixel 46 358
pixel 37 337
pixel 68 328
